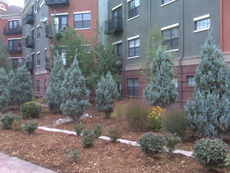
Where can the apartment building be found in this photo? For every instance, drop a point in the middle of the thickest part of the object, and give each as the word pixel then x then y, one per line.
pixel 11 28
pixel 184 25
pixel 37 14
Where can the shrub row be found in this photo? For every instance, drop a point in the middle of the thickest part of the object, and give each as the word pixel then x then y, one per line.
pixel 9 120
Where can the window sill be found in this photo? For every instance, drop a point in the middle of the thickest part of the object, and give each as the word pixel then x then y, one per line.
pixel 167 3
pixel 38 65
pixel 173 50
pixel 133 18
pixel 201 30
pixel 76 29
pixel 133 57
pixel 38 39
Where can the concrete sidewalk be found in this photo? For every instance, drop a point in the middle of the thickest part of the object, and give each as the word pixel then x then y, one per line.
pixel 14 165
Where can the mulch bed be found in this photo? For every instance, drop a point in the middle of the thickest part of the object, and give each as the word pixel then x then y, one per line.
pixel 48 149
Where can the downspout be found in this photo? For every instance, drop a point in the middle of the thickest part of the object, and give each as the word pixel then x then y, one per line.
pixel 35 52
pixel 182 50
pixel 123 65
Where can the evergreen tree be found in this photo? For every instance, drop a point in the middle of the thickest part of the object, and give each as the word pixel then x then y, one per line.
pixel 5 62
pixel 4 89
pixel 20 86
pixel 209 113
pixel 74 93
pixel 160 90
pixel 106 92
pixel 53 93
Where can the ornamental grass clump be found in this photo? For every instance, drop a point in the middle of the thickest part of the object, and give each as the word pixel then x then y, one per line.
pixel 30 126
pixel 152 144
pixel 174 121
pixel 155 116
pixel 136 115
pixel 88 138
pixel 211 153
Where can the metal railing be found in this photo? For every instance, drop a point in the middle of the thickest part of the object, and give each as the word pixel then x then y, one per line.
pixel 114 25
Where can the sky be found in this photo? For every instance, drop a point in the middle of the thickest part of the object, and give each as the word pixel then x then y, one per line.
pixel 15 2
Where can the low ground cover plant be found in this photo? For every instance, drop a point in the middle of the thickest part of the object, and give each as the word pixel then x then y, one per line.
pixel 119 109
pixel 114 133
pixel 30 110
pixel 73 155
pixel 211 153
pixel 171 141
pixel 78 128
pixel 30 126
pixel 7 120
pixel 88 138
pixel 98 130
pixel 136 115
pixel 152 144
pixel 174 121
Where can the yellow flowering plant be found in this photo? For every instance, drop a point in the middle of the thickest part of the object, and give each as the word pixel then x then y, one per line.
pixel 155 115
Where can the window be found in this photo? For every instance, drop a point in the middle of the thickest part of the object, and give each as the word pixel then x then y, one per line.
pixel 202 24
pixel 118 49
pixel 15 25
pixel 171 38
pixel 38 86
pixel 15 63
pixel 45 85
pixel 38 32
pixel 134 8
pixel 60 22
pixel 82 20
pixel 15 45
pixel 166 1
pixel 175 81
pixel 38 60
pixel 191 81
pixel 63 55
pixel 134 47
pixel 20 62
pixel 133 87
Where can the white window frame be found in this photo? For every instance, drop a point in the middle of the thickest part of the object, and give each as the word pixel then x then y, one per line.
pixel 199 19
pixel 82 12
pixel 130 39
pixel 162 5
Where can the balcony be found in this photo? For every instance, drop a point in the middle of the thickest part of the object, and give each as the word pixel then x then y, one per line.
pixel 30 66
pixel 15 49
pixel 29 19
pixel 114 25
pixel 56 2
pixel 47 64
pixel 7 30
pixel 29 42
pixel 49 31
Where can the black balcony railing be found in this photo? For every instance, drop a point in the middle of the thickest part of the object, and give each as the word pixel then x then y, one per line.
pixel 47 64
pixel 56 2
pixel 15 49
pixel 29 42
pixel 114 25
pixel 49 31
pixel 7 30
pixel 29 19
pixel 30 65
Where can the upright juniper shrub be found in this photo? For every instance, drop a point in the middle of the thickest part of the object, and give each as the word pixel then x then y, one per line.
pixel 209 113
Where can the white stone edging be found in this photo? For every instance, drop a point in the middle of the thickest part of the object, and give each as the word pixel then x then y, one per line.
pixel 106 138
